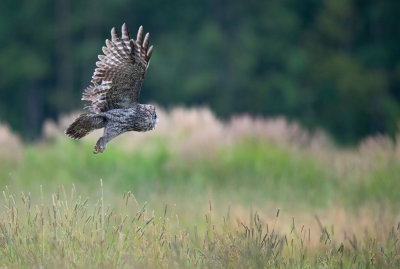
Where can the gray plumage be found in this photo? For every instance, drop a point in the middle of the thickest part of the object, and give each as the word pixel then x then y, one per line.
pixel 114 94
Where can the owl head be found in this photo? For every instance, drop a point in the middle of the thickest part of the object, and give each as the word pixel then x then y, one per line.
pixel 151 118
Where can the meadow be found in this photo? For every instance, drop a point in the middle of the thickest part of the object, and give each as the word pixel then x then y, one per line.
pixel 198 192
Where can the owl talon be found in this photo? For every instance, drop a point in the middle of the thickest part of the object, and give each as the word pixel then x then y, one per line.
pixel 96 149
pixel 100 146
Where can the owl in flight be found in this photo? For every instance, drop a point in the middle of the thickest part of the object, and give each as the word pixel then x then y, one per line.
pixel 114 94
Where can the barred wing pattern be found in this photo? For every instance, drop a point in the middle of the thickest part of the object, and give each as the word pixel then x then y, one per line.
pixel 121 71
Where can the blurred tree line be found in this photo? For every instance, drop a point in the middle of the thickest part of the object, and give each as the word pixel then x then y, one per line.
pixel 331 64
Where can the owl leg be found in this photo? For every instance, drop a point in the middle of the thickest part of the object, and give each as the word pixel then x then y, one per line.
pixel 101 144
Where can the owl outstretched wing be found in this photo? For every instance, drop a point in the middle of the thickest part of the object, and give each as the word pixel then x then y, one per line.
pixel 120 72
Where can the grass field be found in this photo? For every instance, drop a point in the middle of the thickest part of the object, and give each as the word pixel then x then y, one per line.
pixel 249 193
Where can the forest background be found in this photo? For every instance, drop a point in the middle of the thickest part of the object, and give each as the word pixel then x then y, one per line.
pixel 331 64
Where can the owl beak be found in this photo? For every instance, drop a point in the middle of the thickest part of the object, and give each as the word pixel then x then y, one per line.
pixel 155 123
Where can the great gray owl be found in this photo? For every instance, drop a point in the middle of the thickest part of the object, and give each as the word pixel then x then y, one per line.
pixel 115 102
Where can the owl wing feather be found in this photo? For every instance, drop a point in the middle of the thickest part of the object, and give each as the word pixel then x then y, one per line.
pixel 120 72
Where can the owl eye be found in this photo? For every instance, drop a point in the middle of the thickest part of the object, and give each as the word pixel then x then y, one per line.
pixel 155 115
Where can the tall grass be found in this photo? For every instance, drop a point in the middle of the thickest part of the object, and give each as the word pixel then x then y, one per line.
pixel 65 229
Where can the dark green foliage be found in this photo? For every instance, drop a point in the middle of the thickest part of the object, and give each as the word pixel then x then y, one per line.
pixel 332 63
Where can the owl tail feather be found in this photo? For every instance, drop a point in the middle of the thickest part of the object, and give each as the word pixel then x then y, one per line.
pixel 84 124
